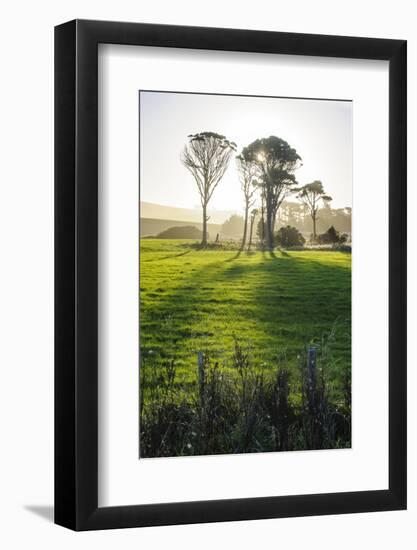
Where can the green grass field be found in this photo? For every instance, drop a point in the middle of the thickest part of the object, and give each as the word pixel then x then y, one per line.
pixel 275 304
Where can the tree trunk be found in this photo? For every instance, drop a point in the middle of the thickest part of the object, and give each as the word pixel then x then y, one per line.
pixel 269 234
pixel 252 219
pixel 273 219
pixel 262 235
pixel 263 210
pixel 245 226
pixel 314 228
pixel 204 240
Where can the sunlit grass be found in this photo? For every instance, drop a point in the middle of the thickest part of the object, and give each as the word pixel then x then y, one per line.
pixel 202 300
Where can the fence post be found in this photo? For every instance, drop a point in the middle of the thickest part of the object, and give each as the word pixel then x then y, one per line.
pixel 311 377
pixel 201 377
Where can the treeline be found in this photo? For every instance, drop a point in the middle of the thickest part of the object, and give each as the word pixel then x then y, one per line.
pixel 267 170
pixel 295 215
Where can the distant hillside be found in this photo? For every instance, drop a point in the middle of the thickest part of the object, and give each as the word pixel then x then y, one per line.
pixel 161 212
pixel 181 232
pixel 151 227
pixel 156 218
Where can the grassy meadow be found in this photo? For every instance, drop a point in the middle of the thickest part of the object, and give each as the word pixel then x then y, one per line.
pixel 252 315
pixel 273 303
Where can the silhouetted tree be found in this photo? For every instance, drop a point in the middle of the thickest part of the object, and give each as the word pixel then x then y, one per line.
pixel 253 215
pixel 312 195
pixel 207 156
pixel 275 161
pixel 247 172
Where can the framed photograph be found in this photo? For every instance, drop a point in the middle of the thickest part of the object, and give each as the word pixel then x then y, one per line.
pixel 230 252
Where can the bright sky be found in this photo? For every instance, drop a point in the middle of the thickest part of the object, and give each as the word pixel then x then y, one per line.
pixel 320 131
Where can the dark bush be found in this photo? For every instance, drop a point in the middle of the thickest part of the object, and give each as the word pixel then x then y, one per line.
pixel 289 236
pixel 331 236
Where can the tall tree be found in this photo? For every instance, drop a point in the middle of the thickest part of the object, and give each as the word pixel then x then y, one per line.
pixel 276 162
pixel 207 156
pixel 247 171
pixel 312 195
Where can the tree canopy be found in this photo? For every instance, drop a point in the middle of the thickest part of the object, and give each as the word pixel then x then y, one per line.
pixel 275 161
pixel 272 152
pixel 313 192
pixel 206 157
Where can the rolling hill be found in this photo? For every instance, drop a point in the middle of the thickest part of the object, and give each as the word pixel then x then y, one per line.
pixel 162 212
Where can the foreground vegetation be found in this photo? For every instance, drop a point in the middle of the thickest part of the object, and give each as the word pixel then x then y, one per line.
pixel 244 410
pixel 268 305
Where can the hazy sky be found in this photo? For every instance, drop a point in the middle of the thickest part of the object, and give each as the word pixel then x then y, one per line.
pixel 320 131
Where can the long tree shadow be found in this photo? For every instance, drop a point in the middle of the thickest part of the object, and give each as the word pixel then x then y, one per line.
pixel 279 302
pixel 235 257
pixel 281 251
pixel 168 257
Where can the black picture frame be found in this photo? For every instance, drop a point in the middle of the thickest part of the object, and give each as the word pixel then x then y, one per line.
pixel 76 272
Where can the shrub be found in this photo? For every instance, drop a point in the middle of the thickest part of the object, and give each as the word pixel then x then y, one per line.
pixel 331 236
pixel 289 236
pixel 182 232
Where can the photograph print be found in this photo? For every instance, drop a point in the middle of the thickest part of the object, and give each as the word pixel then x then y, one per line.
pixel 245 274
